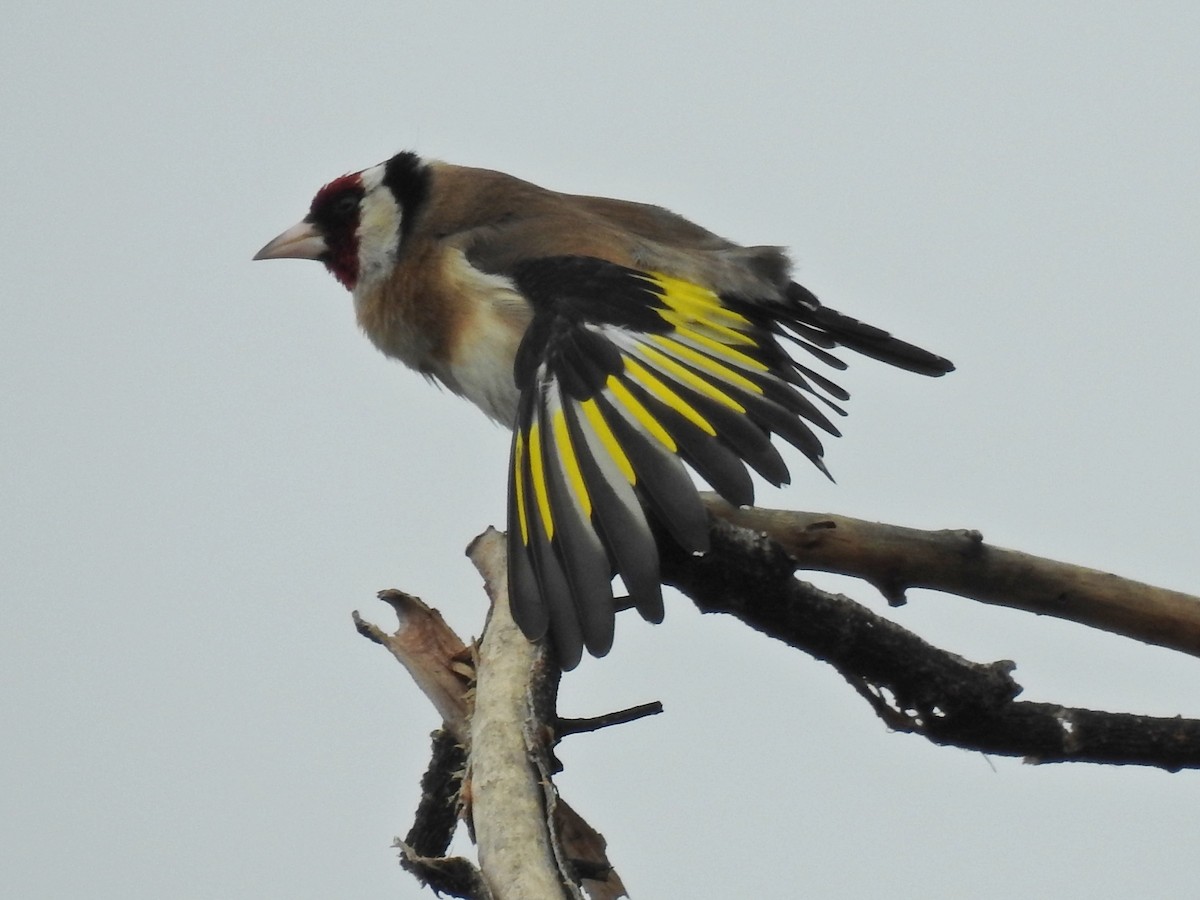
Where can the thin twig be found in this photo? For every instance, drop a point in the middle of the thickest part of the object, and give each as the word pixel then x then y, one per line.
pixel 620 717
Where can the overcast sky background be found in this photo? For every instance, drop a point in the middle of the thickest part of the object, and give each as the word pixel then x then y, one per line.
pixel 205 467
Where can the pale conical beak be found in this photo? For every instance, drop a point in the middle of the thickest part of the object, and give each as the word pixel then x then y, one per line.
pixel 301 241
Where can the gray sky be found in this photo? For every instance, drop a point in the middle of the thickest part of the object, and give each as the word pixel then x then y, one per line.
pixel 205 466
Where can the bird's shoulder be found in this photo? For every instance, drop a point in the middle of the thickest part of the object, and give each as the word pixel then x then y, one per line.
pixel 500 222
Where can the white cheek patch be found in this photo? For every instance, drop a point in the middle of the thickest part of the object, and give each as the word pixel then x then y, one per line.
pixel 378 228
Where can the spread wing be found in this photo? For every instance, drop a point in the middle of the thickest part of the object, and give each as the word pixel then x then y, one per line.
pixel 626 375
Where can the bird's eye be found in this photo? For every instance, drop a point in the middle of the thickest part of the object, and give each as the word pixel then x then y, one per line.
pixel 344 206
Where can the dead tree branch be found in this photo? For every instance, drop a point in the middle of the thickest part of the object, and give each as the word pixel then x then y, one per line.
pixel 911 684
pixel 493 762
pixel 500 724
pixel 517 851
pixel 894 559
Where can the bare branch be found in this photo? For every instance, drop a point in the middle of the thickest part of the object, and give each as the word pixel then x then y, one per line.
pixel 532 844
pixel 913 685
pixel 437 814
pixel 507 720
pixel 620 717
pixel 512 765
pixel 433 654
pixel 451 875
pixel 894 559
pixel 508 803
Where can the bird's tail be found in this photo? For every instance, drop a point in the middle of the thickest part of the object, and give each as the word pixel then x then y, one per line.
pixel 828 328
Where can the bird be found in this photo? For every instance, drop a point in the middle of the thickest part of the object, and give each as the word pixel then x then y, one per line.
pixel 620 342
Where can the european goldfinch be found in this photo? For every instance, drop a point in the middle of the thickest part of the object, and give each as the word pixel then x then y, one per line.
pixel 617 340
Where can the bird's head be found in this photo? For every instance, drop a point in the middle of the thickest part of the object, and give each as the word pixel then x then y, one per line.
pixel 356 223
